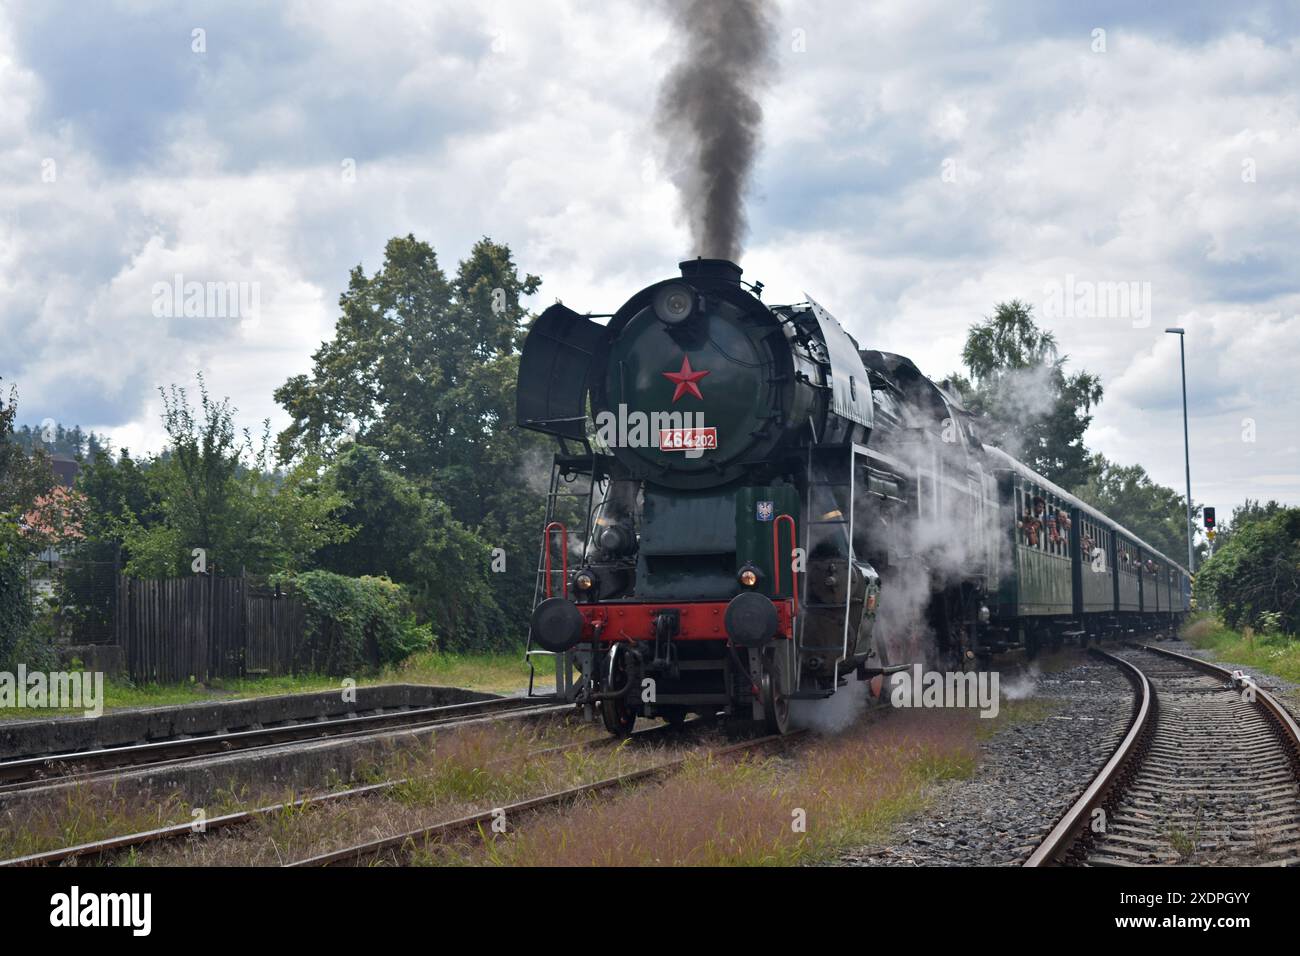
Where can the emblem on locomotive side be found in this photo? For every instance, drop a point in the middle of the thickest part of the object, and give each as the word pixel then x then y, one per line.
pixel 765 510
pixel 686 379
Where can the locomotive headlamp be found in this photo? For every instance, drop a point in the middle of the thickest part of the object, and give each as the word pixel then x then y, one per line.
pixel 747 577
pixel 584 581
pixel 674 303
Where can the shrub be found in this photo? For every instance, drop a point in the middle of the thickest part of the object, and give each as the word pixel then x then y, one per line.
pixel 356 623
pixel 1254 579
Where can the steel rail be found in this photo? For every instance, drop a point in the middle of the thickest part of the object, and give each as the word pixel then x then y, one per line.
pixel 165 763
pixel 1066 833
pixel 44 768
pixel 96 848
pixel 475 820
pixel 1274 708
pixel 1063 836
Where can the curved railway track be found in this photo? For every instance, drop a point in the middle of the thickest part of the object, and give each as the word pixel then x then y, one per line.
pixel 93 764
pixel 1208 773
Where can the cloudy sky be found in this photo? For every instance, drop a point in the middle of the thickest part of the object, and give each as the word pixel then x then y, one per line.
pixel 922 161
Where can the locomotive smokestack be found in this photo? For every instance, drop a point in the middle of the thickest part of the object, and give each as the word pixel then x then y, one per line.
pixel 710 269
pixel 709 116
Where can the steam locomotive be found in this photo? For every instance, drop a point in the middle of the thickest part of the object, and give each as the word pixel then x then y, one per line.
pixel 746 509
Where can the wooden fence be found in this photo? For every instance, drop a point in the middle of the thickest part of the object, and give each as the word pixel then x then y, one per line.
pixel 205 627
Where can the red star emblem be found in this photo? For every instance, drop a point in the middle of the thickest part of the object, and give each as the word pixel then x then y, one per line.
pixel 685 379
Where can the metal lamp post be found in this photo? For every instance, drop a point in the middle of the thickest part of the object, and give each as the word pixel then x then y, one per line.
pixel 1187 454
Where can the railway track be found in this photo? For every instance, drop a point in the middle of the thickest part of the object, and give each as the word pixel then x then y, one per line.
pixel 99 849
pixel 95 764
pixel 1208 773
pixel 421 836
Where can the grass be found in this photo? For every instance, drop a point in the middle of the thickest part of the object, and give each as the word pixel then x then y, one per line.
pixel 799 806
pixel 463 771
pixel 498 672
pixel 88 812
pixel 452 769
pixel 802 807
pixel 1276 654
pixel 752 810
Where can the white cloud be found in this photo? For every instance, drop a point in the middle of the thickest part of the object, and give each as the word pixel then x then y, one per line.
pixel 531 123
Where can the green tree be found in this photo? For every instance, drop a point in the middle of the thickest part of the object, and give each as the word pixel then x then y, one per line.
pixel 414 367
pixel 115 490
pixel 385 512
pixel 1254 578
pixel 16 611
pixel 1153 512
pixel 109 490
pixel 399 533
pixel 422 369
pixel 1027 403
pixel 1245 513
pixel 60 440
pixel 23 478
pixel 215 492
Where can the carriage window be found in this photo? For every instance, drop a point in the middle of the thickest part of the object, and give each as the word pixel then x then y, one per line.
pixel 1038 519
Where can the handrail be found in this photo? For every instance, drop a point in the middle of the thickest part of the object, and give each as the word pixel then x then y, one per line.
pixel 564 554
pixel 776 558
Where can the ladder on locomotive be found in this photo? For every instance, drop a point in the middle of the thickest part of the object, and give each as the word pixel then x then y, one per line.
pixel 831 480
pixel 561 466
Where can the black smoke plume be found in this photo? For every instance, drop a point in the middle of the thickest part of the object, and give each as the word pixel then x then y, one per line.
pixel 709 115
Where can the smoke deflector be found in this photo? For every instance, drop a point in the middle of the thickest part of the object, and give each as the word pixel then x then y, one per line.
pixel 553 369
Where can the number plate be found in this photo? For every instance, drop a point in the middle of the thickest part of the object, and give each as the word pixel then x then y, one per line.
pixel 688 439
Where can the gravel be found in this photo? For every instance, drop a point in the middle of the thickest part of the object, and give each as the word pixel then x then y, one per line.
pixel 1030 773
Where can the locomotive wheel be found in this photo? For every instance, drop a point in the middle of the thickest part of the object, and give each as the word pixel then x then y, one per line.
pixel 1032 644
pixel 619 718
pixel 776 683
pixel 617 714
